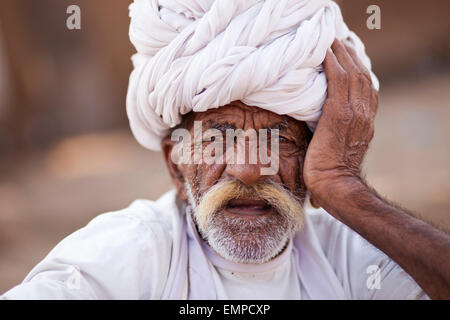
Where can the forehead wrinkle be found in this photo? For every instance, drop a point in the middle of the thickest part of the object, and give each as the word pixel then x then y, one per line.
pixel 224 111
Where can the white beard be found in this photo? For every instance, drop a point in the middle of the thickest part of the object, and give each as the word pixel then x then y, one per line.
pixel 242 240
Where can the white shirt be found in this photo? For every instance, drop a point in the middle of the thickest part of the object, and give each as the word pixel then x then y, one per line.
pixel 276 279
pixel 150 251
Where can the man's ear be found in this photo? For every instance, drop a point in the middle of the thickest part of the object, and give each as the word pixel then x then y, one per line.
pixel 177 177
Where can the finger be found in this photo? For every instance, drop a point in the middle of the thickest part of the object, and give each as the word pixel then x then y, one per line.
pixel 354 74
pixel 374 103
pixel 366 98
pixel 336 76
pixel 343 57
pixel 369 94
pixel 366 91
pixel 358 62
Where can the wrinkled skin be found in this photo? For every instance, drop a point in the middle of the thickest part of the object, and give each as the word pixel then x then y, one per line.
pixel 293 143
pixel 329 167
pixel 346 127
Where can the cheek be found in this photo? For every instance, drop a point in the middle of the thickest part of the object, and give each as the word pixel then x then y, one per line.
pixel 291 174
pixel 188 173
pixel 208 175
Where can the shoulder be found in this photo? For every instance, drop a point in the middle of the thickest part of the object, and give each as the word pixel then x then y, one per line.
pixel 123 254
pixel 364 271
pixel 150 218
pixel 141 225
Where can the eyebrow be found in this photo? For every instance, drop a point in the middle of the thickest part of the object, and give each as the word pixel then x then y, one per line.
pixel 223 126
pixel 283 124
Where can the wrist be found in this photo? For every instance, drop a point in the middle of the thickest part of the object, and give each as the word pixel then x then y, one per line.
pixel 341 195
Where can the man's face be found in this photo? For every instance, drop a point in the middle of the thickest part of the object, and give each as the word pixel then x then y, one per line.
pixel 244 216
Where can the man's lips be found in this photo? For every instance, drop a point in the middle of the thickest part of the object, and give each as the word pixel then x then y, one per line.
pixel 248 207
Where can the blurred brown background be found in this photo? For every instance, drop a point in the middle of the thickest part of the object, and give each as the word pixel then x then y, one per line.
pixel 67 155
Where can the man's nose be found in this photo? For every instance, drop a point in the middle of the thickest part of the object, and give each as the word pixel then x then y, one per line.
pixel 244 163
pixel 246 173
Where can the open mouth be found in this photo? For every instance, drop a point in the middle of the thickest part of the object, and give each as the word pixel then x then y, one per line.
pixel 248 207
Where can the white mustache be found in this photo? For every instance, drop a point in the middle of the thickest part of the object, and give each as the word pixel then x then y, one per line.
pixel 241 240
pixel 284 202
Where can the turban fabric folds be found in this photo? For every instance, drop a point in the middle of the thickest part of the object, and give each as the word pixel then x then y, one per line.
pixel 203 54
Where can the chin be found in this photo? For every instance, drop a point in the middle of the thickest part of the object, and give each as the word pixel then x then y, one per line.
pixel 252 240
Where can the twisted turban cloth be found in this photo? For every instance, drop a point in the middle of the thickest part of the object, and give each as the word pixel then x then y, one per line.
pixel 203 54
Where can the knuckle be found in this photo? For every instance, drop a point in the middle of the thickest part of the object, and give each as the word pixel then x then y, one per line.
pixel 367 76
pixel 367 81
pixel 346 116
pixel 374 109
pixel 360 106
pixel 375 95
pixel 357 76
pixel 342 78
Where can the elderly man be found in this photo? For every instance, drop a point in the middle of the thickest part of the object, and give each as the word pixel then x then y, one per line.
pixel 250 229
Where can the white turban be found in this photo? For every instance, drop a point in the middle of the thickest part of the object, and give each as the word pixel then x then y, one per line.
pixel 203 54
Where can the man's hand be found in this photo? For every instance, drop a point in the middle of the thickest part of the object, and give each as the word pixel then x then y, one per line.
pixel 346 126
pixel 332 175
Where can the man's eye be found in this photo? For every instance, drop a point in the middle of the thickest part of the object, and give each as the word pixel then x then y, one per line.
pixel 283 139
pixel 280 139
